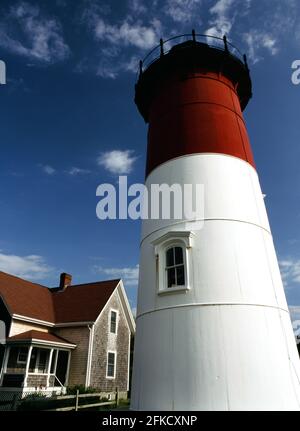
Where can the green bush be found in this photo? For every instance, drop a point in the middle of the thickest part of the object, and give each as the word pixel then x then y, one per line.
pixel 71 390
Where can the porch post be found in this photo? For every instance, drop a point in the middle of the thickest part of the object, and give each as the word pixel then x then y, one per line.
pixel 27 366
pixel 49 367
pixel 68 369
pixel 4 363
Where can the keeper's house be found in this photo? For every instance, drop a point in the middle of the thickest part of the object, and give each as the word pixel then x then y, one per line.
pixel 65 336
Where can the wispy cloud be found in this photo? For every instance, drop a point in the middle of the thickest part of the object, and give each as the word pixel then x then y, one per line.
pixel 122 43
pixel 183 11
pixel 32 267
pixel 108 67
pixel 222 20
pixel 256 41
pixel 129 275
pixel 127 33
pixel 290 272
pixel 47 169
pixel 117 161
pixel 137 7
pixel 26 31
pixel 77 171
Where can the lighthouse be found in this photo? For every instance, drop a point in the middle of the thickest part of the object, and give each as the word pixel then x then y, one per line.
pixel 213 326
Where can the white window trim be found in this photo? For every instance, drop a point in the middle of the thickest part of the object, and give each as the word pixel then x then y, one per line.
pixel 115 365
pixel 182 239
pixel 117 321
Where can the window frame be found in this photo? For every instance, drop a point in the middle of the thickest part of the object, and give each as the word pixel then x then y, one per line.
pixel 115 364
pixel 19 351
pixel 183 239
pixel 112 310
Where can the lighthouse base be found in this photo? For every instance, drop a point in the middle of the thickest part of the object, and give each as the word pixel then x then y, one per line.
pixel 212 357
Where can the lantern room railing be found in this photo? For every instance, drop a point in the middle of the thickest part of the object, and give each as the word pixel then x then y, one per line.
pixel 165 46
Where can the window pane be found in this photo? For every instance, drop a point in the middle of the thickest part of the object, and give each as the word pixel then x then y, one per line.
pixel 111 358
pixel 180 275
pixel 110 371
pixel 178 255
pixel 22 355
pixel 171 277
pixel 113 322
pixel 170 257
pixel 13 363
pixel 110 364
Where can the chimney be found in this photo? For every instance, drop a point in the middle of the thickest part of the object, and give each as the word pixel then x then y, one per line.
pixel 65 280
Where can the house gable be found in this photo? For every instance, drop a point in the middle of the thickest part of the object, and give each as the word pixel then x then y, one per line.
pixel 104 341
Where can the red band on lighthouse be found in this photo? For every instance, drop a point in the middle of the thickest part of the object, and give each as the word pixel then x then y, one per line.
pixel 196 113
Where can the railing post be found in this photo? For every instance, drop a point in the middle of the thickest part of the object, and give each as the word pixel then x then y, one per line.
pixel 194 35
pixel 225 44
pixel 245 61
pixel 77 400
pixel 161 42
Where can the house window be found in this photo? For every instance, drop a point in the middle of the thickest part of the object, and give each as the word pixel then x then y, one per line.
pixel 111 365
pixel 172 254
pixel 113 322
pixel 22 355
pixel 175 271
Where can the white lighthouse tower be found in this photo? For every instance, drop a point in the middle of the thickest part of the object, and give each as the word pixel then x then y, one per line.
pixel 213 326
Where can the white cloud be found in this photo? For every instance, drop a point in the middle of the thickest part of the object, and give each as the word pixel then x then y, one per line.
pixel 31 267
pixel 129 275
pixel 107 69
pixel 182 11
pixel 290 272
pixel 25 31
pixel 256 41
pixel 138 35
pixel 129 32
pixel 77 171
pixel 47 169
pixel 223 19
pixel 221 7
pixel 132 64
pixel 117 161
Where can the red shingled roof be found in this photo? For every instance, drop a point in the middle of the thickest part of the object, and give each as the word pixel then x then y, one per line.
pixel 78 303
pixel 26 298
pixel 82 302
pixel 38 335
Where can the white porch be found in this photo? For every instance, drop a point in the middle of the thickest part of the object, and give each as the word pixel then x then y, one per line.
pixel 35 365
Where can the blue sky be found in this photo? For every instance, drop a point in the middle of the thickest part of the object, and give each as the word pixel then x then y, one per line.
pixel 69 123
